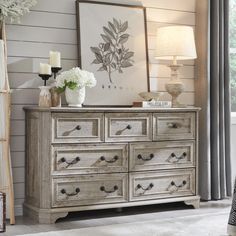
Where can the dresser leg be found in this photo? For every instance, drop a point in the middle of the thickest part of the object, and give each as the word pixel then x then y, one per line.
pixel 50 218
pixel 42 216
pixel 195 203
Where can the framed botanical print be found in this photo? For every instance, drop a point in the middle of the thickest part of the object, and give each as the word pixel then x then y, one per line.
pixel 112 43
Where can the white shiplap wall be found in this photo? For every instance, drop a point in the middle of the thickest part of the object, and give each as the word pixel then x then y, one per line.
pixel 51 25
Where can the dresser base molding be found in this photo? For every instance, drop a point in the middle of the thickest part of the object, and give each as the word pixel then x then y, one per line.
pixel 50 216
pixel 43 216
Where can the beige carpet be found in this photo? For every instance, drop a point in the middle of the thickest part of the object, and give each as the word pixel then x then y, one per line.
pixel 214 224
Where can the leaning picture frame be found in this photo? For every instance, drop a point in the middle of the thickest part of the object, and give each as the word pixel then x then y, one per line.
pixel 112 43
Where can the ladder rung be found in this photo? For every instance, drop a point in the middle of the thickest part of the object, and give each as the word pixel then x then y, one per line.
pixel 2 140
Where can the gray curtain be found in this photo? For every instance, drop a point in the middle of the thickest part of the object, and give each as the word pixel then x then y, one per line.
pixel 214 146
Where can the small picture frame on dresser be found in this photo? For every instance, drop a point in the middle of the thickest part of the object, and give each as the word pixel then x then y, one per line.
pixel 2 212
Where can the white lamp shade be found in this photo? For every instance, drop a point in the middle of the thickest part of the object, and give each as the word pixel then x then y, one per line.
pixel 175 41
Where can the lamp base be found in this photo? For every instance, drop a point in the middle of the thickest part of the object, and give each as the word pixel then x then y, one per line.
pixel 175 88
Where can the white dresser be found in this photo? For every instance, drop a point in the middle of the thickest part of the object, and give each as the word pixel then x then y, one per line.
pixel 97 158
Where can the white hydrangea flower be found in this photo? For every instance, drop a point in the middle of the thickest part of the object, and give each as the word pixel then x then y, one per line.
pixel 80 77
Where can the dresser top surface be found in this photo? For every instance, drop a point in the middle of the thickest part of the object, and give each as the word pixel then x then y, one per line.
pixel 110 109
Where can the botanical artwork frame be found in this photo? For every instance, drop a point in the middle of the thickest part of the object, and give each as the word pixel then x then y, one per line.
pixel 112 43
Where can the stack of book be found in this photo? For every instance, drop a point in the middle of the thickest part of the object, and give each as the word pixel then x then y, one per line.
pixel 153 104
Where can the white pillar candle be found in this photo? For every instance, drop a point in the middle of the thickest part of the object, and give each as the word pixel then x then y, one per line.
pixel 55 59
pixel 45 69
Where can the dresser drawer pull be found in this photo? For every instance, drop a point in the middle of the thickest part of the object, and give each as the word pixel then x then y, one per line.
pixel 177 158
pixel 140 157
pixel 176 187
pixel 63 160
pixel 77 190
pixel 114 159
pixel 119 132
pixel 174 125
pixel 115 188
pixel 78 127
pixel 151 185
pixel 67 133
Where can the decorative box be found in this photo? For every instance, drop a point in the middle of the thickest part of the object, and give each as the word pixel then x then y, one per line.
pixel 2 212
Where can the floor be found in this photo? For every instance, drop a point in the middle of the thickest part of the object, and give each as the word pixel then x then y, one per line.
pixel 115 216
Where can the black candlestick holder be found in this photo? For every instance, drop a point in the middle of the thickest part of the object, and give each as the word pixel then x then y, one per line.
pixel 45 77
pixel 55 70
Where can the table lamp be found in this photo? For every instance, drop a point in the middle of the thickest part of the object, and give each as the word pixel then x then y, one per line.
pixel 175 43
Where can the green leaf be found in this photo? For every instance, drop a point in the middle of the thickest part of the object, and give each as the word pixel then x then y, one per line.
pixel 106 38
pixel 71 85
pixel 123 38
pixel 108 32
pixel 60 90
pixel 124 27
pixel 128 55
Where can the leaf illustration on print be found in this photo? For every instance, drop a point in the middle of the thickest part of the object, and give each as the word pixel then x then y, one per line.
pixel 111 54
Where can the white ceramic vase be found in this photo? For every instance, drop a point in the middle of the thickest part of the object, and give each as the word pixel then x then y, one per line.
pixel 76 97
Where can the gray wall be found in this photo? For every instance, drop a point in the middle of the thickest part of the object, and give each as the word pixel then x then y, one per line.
pixel 51 25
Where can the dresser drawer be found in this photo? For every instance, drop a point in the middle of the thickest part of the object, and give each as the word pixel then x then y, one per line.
pixel 162 184
pixel 128 127
pixel 90 189
pixel 79 127
pixel 173 126
pixel 84 159
pixel 161 155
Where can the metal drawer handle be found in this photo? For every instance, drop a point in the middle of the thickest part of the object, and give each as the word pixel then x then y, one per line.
pixel 78 127
pixel 150 186
pixel 129 127
pixel 77 190
pixel 63 160
pixel 103 189
pixel 67 133
pixel 177 187
pixel 114 159
pixel 119 132
pixel 174 125
pixel 177 158
pixel 140 157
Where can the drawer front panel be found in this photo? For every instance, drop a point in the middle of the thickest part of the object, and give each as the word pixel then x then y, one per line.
pixel 174 126
pixel 90 189
pixel 128 127
pixel 79 127
pixel 97 158
pixel 162 184
pixel 161 155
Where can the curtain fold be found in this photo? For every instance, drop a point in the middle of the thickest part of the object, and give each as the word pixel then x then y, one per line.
pixel 214 160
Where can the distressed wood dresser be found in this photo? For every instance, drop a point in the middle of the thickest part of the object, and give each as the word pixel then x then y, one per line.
pixel 97 158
